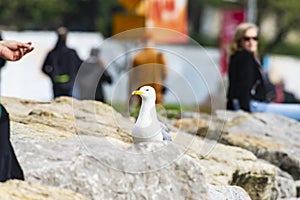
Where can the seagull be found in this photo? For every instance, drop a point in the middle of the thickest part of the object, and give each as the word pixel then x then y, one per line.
pixel 147 127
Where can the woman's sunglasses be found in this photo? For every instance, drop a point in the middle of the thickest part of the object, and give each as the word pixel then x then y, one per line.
pixel 249 38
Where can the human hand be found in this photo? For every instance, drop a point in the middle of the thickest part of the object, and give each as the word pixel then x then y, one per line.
pixel 14 50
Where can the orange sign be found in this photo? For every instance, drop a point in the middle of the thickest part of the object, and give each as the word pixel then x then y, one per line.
pixel 167 14
pixel 123 23
pixel 165 20
pixel 130 4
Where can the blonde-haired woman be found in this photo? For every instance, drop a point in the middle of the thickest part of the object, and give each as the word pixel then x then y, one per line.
pixel 247 83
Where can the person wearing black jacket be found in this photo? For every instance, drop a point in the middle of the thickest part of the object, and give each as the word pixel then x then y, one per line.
pixel 244 75
pixel 9 166
pixel 61 65
pixel 249 87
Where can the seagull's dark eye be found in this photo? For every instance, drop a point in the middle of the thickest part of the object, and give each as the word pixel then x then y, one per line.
pixel 147 89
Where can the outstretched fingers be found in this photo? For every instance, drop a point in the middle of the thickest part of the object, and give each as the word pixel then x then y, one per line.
pixel 13 50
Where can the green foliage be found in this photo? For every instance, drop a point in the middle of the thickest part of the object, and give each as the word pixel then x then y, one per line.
pixel 286 14
pixel 286 11
pixel 204 40
pixel 32 14
pixel 96 15
pixel 104 20
pixel 92 15
pixel 214 3
pixel 287 18
pixel 286 48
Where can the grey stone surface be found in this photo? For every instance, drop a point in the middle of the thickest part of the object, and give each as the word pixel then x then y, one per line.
pixel 21 190
pixel 105 168
pixel 271 138
pixel 86 146
pixel 227 193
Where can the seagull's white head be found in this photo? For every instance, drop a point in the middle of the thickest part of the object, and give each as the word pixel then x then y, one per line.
pixel 146 92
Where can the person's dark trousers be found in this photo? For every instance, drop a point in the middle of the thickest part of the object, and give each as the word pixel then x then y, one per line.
pixel 58 92
pixel 9 165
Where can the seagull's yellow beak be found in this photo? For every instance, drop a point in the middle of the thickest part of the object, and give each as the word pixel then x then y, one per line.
pixel 137 92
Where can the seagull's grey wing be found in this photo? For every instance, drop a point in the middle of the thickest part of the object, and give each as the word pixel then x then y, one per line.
pixel 165 132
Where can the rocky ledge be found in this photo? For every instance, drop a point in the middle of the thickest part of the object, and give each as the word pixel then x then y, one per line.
pixel 84 149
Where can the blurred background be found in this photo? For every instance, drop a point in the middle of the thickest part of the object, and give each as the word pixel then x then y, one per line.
pixel 198 33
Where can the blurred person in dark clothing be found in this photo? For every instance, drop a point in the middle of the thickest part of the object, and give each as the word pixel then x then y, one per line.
pixel 91 77
pixel 9 165
pixel 61 65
